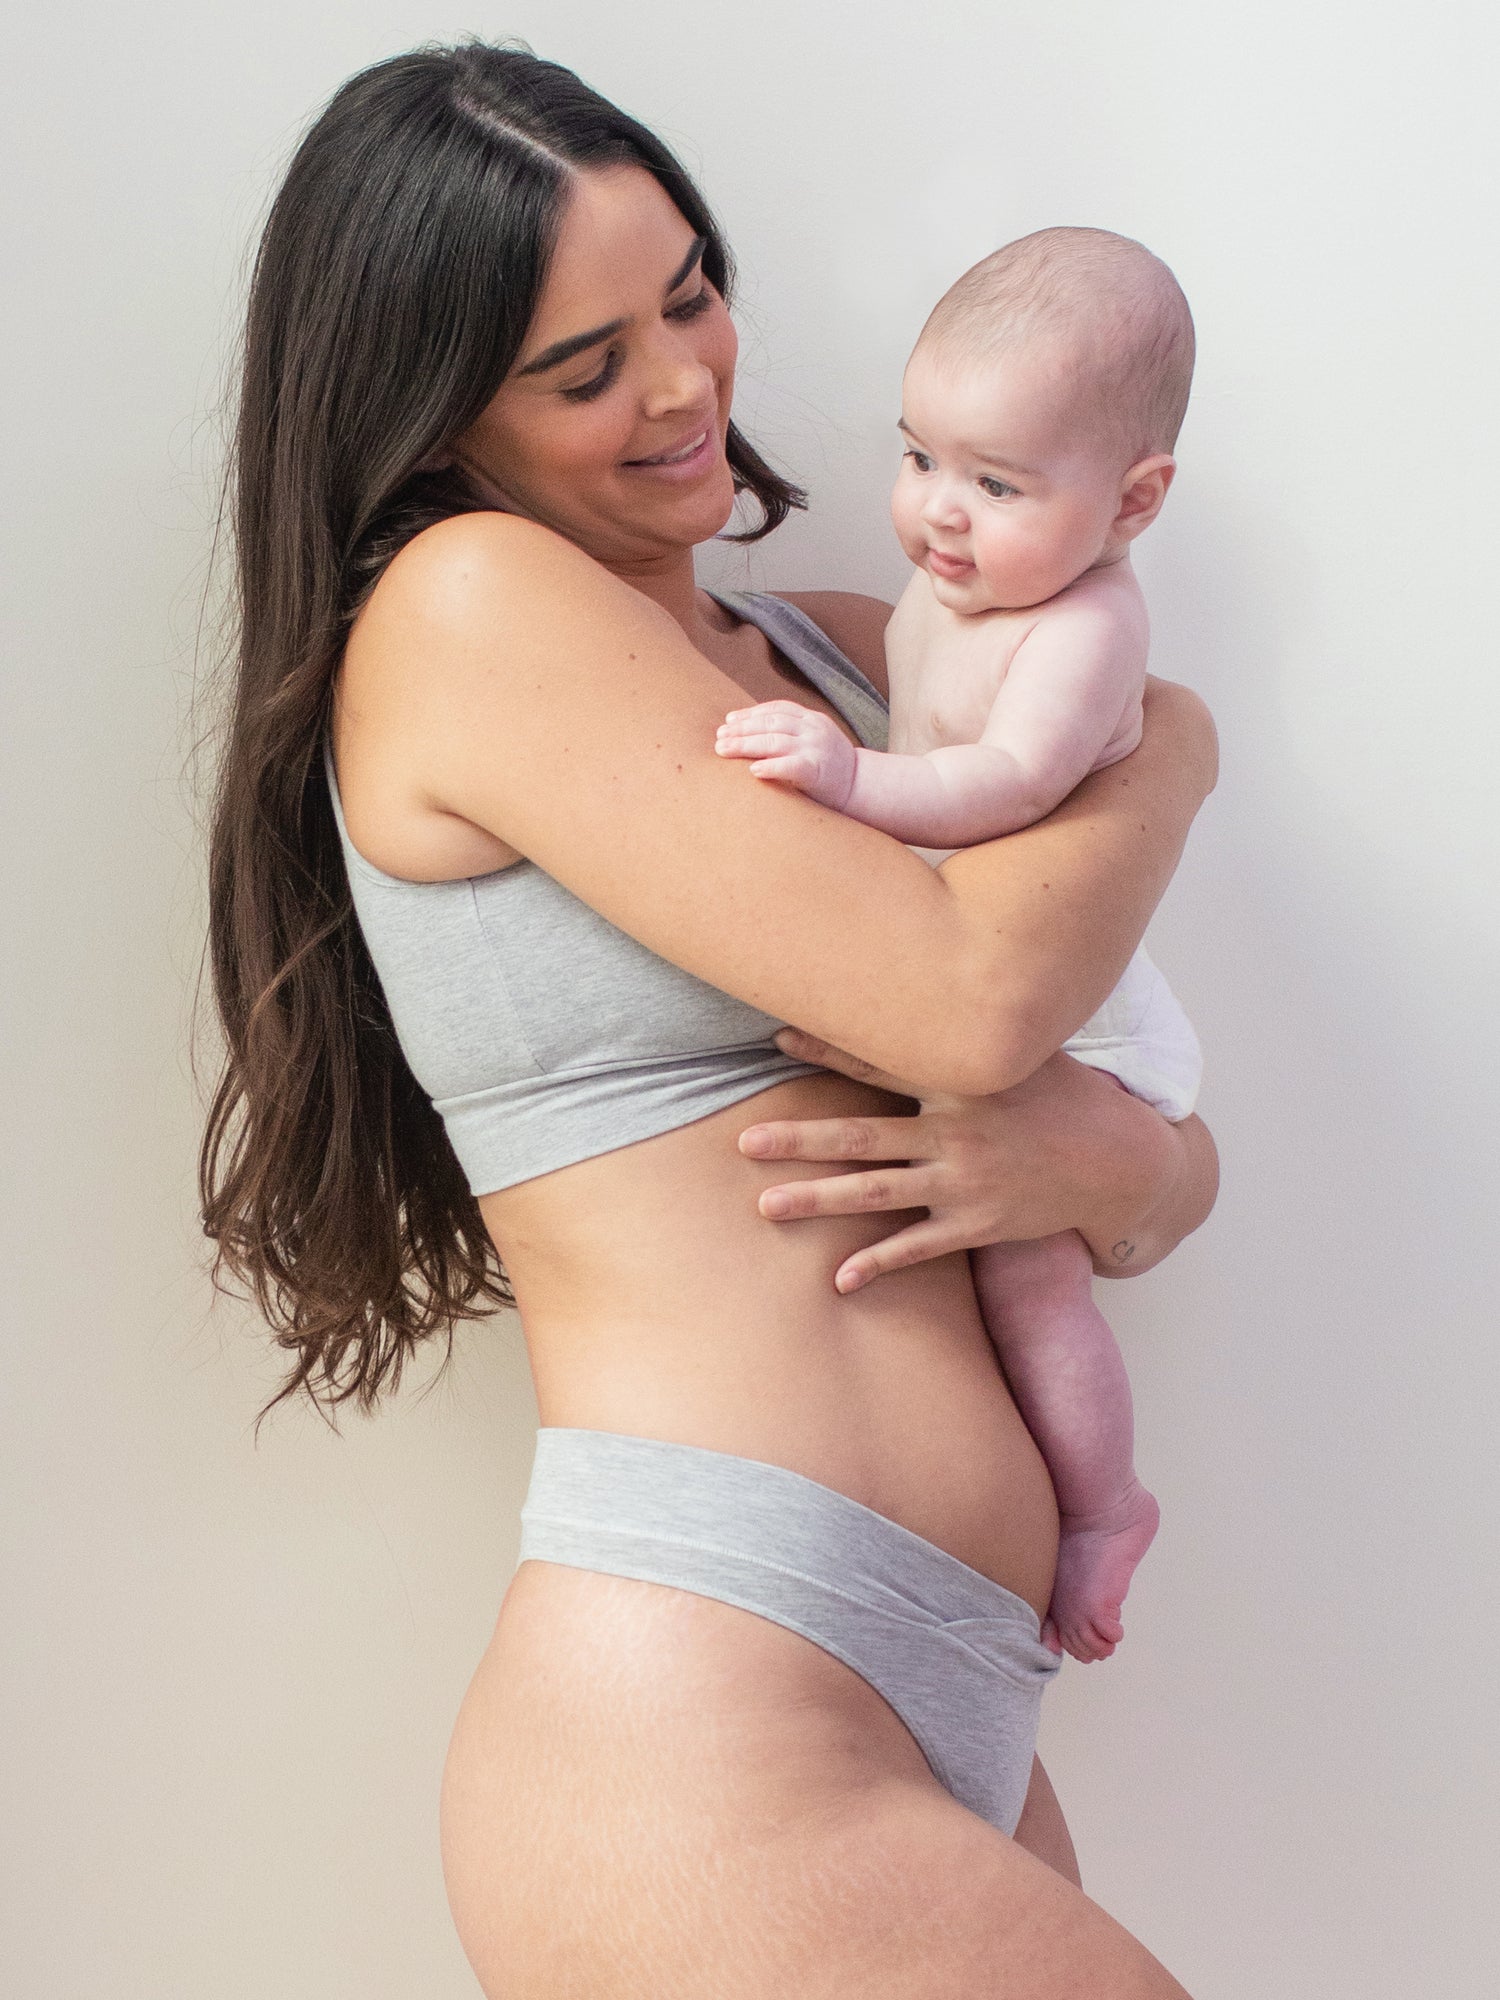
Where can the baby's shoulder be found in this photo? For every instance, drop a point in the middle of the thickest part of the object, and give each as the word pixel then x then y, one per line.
pixel 1105 597
pixel 1101 616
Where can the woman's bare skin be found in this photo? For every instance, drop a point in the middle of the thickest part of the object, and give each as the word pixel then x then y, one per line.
pixel 649 1791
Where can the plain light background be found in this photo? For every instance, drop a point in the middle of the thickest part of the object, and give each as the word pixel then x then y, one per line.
pixel 231 1670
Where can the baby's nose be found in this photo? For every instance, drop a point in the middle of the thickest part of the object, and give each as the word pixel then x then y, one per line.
pixel 941 509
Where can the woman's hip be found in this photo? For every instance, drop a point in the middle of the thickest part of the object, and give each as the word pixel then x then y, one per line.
pixel 702 1657
pixel 956 1654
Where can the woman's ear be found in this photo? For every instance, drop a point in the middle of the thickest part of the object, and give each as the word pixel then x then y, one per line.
pixel 1142 491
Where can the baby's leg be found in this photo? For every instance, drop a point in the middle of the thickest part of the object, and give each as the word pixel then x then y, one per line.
pixel 1070 1385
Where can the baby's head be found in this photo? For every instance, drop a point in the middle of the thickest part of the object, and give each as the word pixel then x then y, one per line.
pixel 1040 408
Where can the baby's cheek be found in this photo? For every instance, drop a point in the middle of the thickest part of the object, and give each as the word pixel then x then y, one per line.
pixel 1005 557
pixel 906 521
pixel 1024 563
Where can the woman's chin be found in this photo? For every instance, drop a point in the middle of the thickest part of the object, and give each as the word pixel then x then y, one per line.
pixel 678 519
pixel 703 515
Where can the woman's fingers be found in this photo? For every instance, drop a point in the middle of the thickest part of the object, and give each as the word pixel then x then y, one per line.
pixel 837 1139
pixel 808 1048
pixel 913 1245
pixel 848 1194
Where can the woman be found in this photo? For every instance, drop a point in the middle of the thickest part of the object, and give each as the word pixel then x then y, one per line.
pixel 759 1708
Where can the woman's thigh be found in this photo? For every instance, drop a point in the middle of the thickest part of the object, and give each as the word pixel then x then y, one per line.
pixel 653 1792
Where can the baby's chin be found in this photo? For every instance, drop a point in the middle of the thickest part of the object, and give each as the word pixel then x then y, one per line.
pixel 971 594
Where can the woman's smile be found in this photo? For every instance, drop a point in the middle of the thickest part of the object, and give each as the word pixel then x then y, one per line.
pixel 690 456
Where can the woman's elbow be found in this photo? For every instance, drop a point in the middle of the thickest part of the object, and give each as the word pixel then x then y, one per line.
pixel 1195 739
pixel 979 1051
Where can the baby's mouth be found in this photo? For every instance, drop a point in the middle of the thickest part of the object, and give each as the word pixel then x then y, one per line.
pixel 946 565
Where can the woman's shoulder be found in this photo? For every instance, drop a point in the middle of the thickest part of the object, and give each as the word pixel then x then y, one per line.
pixel 855 623
pixel 486 596
pixel 455 568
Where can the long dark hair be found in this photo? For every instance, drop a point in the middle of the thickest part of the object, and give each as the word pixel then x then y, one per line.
pixel 398 273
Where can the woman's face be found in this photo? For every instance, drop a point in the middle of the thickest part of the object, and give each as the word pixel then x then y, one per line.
pixel 610 426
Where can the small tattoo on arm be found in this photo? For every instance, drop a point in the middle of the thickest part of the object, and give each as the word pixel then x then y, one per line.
pixel 1123 1251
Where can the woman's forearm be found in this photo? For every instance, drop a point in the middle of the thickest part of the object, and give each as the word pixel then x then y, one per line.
pixel 1068 899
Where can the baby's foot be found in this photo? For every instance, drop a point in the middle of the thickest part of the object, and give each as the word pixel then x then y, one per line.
pixel 1096 1558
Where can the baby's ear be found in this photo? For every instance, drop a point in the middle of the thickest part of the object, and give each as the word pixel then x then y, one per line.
pixel 1142 491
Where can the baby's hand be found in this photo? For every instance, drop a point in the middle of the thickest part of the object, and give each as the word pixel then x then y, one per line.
pixel 796 746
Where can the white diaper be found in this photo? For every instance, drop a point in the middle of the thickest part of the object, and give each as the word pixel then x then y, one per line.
pixel 1142 1036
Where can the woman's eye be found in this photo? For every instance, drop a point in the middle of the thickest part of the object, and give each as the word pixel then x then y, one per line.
pixel 690 308
pixel 586 391
pixel 998 489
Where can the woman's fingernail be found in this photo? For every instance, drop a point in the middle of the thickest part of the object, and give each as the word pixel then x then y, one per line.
pixel 848 1281
pixel 775 1205
pixel 756 1141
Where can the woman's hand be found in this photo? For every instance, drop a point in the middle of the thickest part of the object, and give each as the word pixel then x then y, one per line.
pixel 1066 1149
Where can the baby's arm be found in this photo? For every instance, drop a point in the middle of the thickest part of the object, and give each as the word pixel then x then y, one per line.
pixel 1067 691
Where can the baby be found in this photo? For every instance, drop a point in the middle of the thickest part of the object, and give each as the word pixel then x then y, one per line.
pixel 1040 409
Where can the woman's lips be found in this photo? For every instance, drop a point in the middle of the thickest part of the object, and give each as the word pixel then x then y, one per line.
pixel 684 460
pixel 951 567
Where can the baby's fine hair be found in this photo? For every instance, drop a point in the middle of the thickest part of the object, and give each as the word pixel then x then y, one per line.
pixel 1113 309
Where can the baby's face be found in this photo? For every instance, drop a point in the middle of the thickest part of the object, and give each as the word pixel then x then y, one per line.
pixel 1002 497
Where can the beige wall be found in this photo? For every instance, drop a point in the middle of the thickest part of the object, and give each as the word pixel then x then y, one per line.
pixel 231 1670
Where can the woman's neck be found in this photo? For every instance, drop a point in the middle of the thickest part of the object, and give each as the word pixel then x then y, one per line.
pixel 671 583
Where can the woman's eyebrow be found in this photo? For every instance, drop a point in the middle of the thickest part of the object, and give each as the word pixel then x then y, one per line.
pixel 694 257
pixel 564 350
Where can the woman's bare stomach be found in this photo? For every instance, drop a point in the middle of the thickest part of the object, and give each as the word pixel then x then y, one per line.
pixel 656 1300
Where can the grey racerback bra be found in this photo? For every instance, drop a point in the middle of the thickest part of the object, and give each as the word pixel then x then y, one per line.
pixel 542 1033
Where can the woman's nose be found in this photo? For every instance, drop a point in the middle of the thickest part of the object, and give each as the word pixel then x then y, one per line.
pixel 678 382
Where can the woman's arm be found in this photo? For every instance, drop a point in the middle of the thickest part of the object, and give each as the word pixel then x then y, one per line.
pixel 1066 1149
pixel 538 696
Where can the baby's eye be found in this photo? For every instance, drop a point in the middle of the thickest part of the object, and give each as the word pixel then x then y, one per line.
pixel 920 461
pixel 998 489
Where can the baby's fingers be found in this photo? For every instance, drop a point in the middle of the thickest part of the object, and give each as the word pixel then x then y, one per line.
pixel 760 743
pixel 789 770
pixel 770 711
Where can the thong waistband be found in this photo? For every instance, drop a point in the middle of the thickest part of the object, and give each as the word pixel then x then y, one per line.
pixel 955 1654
